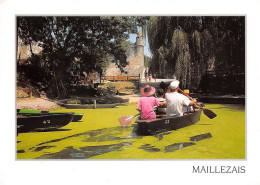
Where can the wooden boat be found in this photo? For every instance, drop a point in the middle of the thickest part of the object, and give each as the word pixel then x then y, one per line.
pixel 76 116
pixel 88 106
pixel 150 127
pixel 27 122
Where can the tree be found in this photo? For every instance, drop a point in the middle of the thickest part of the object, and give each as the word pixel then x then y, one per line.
pixel 191 45
pixel 68 42
pixel 147 61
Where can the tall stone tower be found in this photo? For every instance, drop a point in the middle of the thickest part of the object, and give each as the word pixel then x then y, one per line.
pixel 135 59
pixel 140 43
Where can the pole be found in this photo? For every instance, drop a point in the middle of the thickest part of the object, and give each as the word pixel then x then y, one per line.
pixel 95 104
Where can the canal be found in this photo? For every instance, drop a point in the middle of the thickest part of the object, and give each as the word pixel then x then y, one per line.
pixel 99 135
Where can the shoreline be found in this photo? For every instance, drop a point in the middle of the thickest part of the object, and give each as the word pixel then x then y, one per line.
pixel 47 104
pixel 36 104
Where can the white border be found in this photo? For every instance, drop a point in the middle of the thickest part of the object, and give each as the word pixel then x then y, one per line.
pixel 123 172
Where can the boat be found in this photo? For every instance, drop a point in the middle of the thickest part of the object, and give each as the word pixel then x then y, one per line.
pixel 76 116
pixel 88 106
pixel 28 122
pixel 151 127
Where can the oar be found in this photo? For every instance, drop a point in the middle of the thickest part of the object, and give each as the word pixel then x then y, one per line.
pixel 127 119
pixel 207 112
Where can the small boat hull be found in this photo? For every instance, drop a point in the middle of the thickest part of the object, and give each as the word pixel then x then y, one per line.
pixel 88 106
pixel 35 122
pixel 76 116
pixel 150 127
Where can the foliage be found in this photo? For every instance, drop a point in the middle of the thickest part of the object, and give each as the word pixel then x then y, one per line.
pixel 73 44
pixel 147 61
pixel 121 86
pixel 187 47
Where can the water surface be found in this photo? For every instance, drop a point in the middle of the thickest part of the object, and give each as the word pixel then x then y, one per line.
pixel 99 135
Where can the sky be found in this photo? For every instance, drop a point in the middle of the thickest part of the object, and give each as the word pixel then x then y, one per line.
pixel 146 47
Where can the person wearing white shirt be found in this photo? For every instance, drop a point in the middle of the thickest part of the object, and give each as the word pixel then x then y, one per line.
pixel 175 101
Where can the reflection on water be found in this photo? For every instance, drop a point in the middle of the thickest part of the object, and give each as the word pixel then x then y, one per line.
pixel 160 135
pixel 106 135
pixel 42 147
pixel 149 148
pixel 201 137
pixel 177 146
pixel 100 135
pixel 78 141
pixel 231 107
pixel 110 134
pixel 85 152
pixel 20 151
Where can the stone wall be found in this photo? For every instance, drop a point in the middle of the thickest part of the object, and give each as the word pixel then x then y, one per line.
pixel 24 51
pixel 135 58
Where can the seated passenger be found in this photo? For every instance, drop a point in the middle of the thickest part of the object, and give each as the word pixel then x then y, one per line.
pixel 176 101
pixel 147 102
pixel 161 109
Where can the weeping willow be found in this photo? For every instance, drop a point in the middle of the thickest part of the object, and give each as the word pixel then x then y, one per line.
pixel 181 54
pixel 188 47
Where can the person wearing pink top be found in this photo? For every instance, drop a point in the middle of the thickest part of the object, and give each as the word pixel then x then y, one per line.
pixel 147 102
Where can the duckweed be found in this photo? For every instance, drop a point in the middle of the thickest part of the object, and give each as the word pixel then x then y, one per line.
pixel 99 135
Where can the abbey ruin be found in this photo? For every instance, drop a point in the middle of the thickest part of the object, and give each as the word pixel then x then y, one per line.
pixel 135 59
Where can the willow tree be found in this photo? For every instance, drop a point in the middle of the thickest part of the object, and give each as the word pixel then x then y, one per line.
pixel 181 55
pixel 187 47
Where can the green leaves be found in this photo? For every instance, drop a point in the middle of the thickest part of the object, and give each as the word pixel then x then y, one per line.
pixel 93 40
pixel 195 44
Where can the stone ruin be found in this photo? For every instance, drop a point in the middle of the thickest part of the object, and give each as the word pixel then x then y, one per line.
pixel 135 59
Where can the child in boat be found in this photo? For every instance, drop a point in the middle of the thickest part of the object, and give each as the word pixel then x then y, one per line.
pixel 161 110
pixel 147 102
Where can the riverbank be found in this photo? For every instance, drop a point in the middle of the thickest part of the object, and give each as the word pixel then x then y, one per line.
pixel 47 104
pixel 36 104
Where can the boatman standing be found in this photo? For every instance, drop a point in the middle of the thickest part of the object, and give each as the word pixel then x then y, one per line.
pixel 176 101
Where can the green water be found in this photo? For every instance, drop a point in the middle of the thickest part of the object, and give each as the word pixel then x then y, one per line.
pixel 99 135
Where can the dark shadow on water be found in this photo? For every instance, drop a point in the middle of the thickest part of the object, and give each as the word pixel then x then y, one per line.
pixel 20 151
pixel 230 107
pixel 104 134
pixel 42 147
pixel 160 134
pixel 46 130
pixel 86 152
pixel 149 148
pixel 111 134
pixel 55 130
pixel 177 146
pixel 223 107
pixel 201 137
pixel 18 141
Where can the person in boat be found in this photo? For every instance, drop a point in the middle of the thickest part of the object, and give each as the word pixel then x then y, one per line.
pixel 163 86
pixel 176 101
pixel 146 103
pixel 161 110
